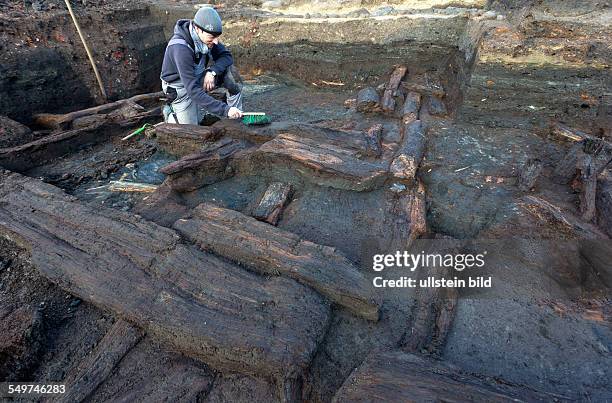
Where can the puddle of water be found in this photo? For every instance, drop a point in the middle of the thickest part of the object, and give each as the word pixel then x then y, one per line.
pixel 145 171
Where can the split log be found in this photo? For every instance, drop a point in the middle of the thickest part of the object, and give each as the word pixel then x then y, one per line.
pixel 408 213
pixel 388 99
pixel 604 203
pixel 576 226
pixel 201 305
pixel 411 107
pixel 327 162
pixel 411 152
pixel 121 186
pixel 529 174
pixel 272 203
pixel 101 362
pixel 368 101
pixel 206 167
pixel 434 311
pixel 24 157
pixel 586 182
pixel 181 140
pixel 599 149
pixel 64 122
pixel 395 376
pixel 270 250
pixel 373 138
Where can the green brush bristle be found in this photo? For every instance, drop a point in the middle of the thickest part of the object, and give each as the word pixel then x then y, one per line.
pixel 251 120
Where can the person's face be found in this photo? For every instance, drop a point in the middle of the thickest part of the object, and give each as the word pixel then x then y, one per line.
pixel 208 39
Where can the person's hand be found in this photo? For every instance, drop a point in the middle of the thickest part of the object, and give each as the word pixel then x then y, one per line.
pixel 234 113
pixel 209 81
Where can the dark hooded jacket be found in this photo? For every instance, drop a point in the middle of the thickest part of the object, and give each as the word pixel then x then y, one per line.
pixel 179 64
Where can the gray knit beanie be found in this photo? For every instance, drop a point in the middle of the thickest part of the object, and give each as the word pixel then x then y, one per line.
pixel 208 20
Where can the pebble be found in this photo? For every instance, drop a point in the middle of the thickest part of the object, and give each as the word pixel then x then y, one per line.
pixel 501 17
pixel 362 12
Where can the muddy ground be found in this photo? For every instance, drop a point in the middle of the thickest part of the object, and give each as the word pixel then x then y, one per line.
pixel 545 327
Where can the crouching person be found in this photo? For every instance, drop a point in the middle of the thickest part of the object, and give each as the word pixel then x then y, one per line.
pixel 187 77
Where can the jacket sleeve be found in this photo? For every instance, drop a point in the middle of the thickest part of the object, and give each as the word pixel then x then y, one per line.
pixel 183 57
pixel 222 57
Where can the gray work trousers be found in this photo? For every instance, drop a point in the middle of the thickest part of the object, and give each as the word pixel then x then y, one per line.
pixel 188 112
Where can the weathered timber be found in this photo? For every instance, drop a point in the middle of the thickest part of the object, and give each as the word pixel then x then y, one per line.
pixel 373 138
pixel 388 98
pixel 13 133
pixel 567 133
pixel 368 101
pixel 182 140
pixel 208 166
pixel 328 163
pixel 586 182
pixel 411 107
pixel 604 202
pixel 201 305
pixel 529 174
pixel 434 311
pixel 36 153
pixel 580 228
pixel 270 250
pixel 100 363
pixel 273 202
pixel 408 214
pixel 599 149
pixel 410 153
pixel 64 122
pixel 565 170
pixel 394 376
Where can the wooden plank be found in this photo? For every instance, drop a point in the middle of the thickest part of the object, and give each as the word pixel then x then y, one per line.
pixel 408 216
pixel 101 362
pixel 586 181
pixel 373 138
pixel 411 107
pixel 64 122
pixel 394 376
pixel 211 165
pixel 327 162
pixel 388 98
pixel 269 250
pixel 574 224
pixel 410 153
pixel 529 174
pixel 183 140
pixel 272 203
pixel 24 157
pixel 121 186
pixel 199 304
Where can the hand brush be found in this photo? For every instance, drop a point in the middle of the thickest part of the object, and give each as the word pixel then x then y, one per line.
pixel 255 118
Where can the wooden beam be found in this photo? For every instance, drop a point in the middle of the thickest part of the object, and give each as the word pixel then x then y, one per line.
pixel 121 186
pixel 373 138
pixel 272 203
pixel 64 122
pixel 586 181
pixel 411 107
pixel 393 376
pixel 410 153
pixel 388 98
pixel 181 140
pixel 269 250
pixel 101 362
pixel 203 168
pixel 324 161
pixel 196 303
